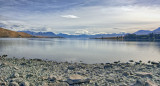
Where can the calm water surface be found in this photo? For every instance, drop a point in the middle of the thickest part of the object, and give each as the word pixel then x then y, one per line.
pixel 76 50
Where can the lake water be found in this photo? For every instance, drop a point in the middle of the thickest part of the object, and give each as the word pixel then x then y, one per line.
pixel 76 50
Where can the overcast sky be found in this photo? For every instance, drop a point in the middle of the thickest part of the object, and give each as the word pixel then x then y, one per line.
pixel 80 16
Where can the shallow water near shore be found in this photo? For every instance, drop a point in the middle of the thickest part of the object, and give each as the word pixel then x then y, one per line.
pixel 77 50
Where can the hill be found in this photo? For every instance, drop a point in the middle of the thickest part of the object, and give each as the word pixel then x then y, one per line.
pixel 41 34
pixel 4 33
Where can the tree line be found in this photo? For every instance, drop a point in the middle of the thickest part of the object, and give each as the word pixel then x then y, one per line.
pixel 151 36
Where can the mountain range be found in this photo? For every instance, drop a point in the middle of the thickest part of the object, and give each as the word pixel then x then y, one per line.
pixel 51 34
pixel 44 34
pixel 145 32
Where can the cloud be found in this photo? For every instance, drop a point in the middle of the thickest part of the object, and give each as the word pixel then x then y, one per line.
pixel 96 16
pixel 70 16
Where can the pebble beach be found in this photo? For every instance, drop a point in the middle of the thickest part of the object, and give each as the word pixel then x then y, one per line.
pixel 37 72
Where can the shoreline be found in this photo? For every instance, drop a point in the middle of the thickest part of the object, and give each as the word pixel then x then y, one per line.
pixel 38 72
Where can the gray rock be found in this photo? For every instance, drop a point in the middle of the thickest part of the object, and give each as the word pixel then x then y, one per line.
pixel 52 78
pixel 13 84
pixel 15 75
pixel 24 84
pixel 126 74
pixel 58 84
pixel 77 79
pixel 138 83
pixel 71 67
pixel 143 74
pixel 110 80
pixel 150 83
pixel 3 84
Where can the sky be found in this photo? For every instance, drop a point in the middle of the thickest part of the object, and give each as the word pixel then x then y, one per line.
pixel 80 16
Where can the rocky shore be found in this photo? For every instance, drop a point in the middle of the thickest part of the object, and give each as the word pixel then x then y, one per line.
pixel 37 72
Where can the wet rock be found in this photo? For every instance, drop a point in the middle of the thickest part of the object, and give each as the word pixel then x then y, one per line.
pixel 24 84
pixel 13 84
pixel 144 74
pixel 155 63
pixel 107 66
pixel 77 79
pixel 3 56
pixel 131 61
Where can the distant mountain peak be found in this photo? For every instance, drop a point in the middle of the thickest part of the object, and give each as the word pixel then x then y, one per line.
pixel 157 31
pixel 143 32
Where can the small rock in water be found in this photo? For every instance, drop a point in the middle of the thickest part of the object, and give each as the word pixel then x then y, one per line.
pixel 131 61
pixel 71 67
pixel 13 84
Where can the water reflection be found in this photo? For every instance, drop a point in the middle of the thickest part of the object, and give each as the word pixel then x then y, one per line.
pixel 86 50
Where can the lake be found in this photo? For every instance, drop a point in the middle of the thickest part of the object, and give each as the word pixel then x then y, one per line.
pixel 80 50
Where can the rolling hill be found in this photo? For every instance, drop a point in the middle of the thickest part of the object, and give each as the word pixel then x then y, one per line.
pixel 4 33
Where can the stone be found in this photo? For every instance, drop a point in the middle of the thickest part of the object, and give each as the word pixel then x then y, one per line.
pixel 58 84
pixel 155 63
pixel 18 80
pixel 138 83
pixel 150 83
pixel 126 74
pixel 16 68
pixel 131 61
pixel 71 67
pixel 143 74
pixel 110 80
pixel 52 78
pixel 77 79
pixel 3 84
pixel 13 84
pixel 107 66
pixel 24 84
pixel 15 75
